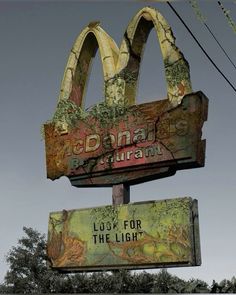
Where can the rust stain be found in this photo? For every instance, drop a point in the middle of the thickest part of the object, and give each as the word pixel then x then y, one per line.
pixel 160 135
pixel 134 235
pixel 63 249
pixel 133 251
pixel 76 143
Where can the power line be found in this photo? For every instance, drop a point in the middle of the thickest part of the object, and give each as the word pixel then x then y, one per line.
pixel 227 15
pixel 226 54
pixel 204 51
pixel 202 19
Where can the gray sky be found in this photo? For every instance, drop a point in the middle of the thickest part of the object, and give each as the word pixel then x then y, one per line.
pixel 35 40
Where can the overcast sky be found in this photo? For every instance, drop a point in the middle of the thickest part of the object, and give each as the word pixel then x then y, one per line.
pixel 35 41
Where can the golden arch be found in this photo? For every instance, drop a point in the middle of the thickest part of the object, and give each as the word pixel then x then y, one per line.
pixel 79 63
pixel 121 67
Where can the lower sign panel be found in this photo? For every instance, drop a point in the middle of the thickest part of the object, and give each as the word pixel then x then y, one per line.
pixel 139 235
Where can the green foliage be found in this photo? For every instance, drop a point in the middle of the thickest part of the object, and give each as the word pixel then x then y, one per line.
pixel 225 286
pixel 142 283
pixel 68 114
pixel 67 111
pixel 109 115
pixel 164 282
pixel 28 273
pixel 176 73
pixel 105 214
pixel 196 286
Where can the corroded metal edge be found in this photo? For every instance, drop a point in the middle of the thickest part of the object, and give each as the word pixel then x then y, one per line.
pixel 196 233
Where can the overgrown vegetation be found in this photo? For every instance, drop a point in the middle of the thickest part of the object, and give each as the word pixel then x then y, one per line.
pixel 68 114
pixel 107 113
pixel 28 273
pixel 176 73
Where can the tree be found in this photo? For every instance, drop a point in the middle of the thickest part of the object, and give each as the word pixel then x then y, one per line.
pixel 196 286
pixel 28 272
pixel 26 263
pixel 225 286
pixel 142 282
pixel 164 282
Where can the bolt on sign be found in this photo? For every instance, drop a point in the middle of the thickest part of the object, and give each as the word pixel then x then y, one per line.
pixel 138 235
pixel 117 140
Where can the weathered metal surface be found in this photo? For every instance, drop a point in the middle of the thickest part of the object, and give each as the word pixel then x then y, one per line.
pixel 118 141
pixel 121 66
pixel 151 137
pixel 139 235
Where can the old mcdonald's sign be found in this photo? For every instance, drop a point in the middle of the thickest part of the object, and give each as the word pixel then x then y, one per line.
pixel 118 141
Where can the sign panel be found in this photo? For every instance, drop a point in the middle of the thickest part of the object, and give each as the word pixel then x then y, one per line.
pixel 138 235
pixel 118 141
pixel 149 140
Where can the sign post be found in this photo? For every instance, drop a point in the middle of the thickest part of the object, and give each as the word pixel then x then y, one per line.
pixel 120 194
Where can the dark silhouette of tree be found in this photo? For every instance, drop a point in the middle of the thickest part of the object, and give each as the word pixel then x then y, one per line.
pixel 164 282
pixel 196 286
pixel 142 283
pixel 225 286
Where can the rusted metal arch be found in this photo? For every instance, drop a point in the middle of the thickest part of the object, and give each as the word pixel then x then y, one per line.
pixel 121 67
pixel 77 70
pixel 131 52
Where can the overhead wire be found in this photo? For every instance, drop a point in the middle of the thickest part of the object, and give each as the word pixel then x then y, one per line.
pixel 228 17
pixel 202 19
pixel 198 43
pixel 222 48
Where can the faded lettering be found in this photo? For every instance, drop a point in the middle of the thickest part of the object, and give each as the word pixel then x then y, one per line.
pixel 104 232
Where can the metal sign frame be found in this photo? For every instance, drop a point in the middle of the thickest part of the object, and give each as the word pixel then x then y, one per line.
pixel 138 235
pixel 118 141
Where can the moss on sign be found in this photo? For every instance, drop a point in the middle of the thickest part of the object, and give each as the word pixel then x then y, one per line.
pixel 133 235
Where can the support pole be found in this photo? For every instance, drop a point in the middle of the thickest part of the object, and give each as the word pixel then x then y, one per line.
pixel 120 194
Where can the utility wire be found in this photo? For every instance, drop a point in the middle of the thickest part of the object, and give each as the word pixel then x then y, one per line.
pixel 227 15
pixel 226 54
pixel 202 19
pixel 198 43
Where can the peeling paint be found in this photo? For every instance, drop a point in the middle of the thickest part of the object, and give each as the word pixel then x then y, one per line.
pixel 125 236
pixel 137 144
pixel 75 138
